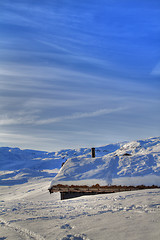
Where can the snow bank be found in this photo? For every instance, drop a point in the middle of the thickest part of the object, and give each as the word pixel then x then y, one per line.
pixel 133 163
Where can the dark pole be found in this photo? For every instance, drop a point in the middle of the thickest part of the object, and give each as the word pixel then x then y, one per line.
pixel 93 152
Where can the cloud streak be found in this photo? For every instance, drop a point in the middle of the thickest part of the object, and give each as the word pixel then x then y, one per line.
pixel 63 64
pixel 35 121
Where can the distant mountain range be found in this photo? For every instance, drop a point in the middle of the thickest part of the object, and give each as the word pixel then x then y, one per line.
pixel 136 162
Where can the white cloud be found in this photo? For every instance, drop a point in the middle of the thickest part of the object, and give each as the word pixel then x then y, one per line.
pixel 33 118
pixel 55 46
pixel 5 120
pixel 22 116
pixel 79 115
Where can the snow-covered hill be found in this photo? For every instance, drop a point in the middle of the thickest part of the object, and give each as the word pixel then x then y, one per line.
pixel 136 162
pixel 28 211
pixel 18 166
pixel 132 163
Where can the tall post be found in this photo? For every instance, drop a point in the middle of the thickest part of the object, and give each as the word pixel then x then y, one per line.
pixel 93 152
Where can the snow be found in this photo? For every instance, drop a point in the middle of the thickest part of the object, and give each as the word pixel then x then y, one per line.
pixel 28 211
pixel 18 166
pixel 133 163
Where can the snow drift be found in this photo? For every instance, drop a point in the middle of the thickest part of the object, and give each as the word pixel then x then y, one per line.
pixel 133 163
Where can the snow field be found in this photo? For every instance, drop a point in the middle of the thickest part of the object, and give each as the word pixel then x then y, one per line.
pixel 28 211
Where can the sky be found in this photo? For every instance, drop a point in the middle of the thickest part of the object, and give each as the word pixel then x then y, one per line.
pixel 78 73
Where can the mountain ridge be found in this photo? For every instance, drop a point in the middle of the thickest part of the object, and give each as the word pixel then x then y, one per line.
pixel 133 159
pixel 133 163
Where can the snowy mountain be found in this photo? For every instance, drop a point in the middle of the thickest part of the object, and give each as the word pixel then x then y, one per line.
pixel 18 166
pixel 132 163
pixel 136 162
pixel 28 211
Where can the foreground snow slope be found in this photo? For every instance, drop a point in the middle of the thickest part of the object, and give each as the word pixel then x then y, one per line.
pixel 27 211
pixel 132 163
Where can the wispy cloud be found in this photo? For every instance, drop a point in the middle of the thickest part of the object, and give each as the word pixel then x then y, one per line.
pixel 31 71
pixel 33 119
pixel 55 46
pixel 60 63
pixel 22 119
pixel 60 73
pixel 79 116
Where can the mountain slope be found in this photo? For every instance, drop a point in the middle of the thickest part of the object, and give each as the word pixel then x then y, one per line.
pixel 132 163
pixel 136 162
pixel 19 166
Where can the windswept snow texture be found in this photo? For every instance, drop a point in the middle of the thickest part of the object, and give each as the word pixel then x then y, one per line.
pixel 132 163
pixel 18 166
pixel 28 211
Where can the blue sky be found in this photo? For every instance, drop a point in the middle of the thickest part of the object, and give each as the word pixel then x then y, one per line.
pixel 78 73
